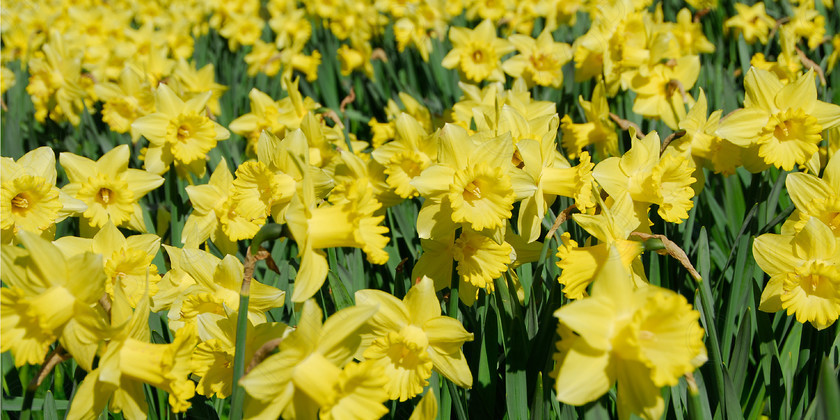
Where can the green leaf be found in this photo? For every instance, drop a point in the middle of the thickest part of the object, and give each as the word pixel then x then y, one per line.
pixel 828 392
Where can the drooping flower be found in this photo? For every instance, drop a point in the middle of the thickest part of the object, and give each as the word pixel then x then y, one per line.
pixel 109 187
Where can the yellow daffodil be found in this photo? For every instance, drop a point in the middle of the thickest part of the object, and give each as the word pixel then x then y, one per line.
pixel 178 132
pixel 212 360
pixel 44 295
pixel 110 188
pixel 477 53
pixel 815 197
pixel 804 278
pixel 217 286
pixel 612 228
pixel 350 223
pixel 56 85
pixel 30 199
pixel 260 192
pixel 127 261
pixel 539 61
pixel 642 339
pixel 649 178
pixel 785 122
pixel 410 337
pixel 306 375
pixel 217 216
pixel 701 142
pixel 405 158
pixel 598 128
pixel 125 101
pixel 190 82
pixel 750 21
pixel 663 91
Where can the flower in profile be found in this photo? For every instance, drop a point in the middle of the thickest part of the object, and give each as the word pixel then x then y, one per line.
pixel 701 142
pixel 815 197
pixel 410 337
pixel 477 53
pixel 640 338
pixel 44 295
pixel 30 199
pixel 110 188
pixel 305 377
pixel 785 122
pixel 349 223
pixel 804 278
pixel 178 132
pixel 540 61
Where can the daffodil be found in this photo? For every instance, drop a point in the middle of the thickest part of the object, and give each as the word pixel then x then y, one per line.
pixel 131 360
pixel 44 295
pixel 127 261
pixel 470 183
pixel 125 101
pixel 539 61
pixel 405 158
pixel 598 128
pixel 178 132
pixel 701 142
pixel 641 339
pixel 350 223
pixel 815 197
pixel 649 178
pixel 217 216
pixel 212 359
pixel 218 283
pixel 56 85
pixel 663 91
pixel 305 377
pixel 477 53
pixel 410 337
pixel 191 82
pixel 804 275
pixel 785 122
pixel 30 199
pixel 750 21
pixel 109 187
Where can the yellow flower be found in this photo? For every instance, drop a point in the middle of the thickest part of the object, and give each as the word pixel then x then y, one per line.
pixel 539 61
pixel 410 337
pixel 804 274
pixel 815 197
pixel 30 199
pixel 350 223
pixel 191 82
pixel 649 178
pixel 125 101
pixel 305 376
pixel 44 296
pixel 127 261
pixel 470 184
pixel 212 360
pixel 405 158
pixel 598 128
pixel 701 142
pixel 750 21
pixel 216 214
pixel 179 132
pixel 642 339
pixel 477 52
pixel 110 188
pixel 663 91
pixel 784 121
pixel 260 192
pixel 56 85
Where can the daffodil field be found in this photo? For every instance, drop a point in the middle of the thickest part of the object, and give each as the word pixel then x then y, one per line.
pixel 420 209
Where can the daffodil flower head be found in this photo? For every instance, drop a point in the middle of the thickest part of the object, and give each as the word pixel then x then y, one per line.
pixel 30 199
pixel 477 52
pixel 784 121
pixel 409 337
pixel 815 197
pixel 179 132
pixel 804 279
pixel 109 187
pixel 44 292
pixel 539 61
pixel 640 338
